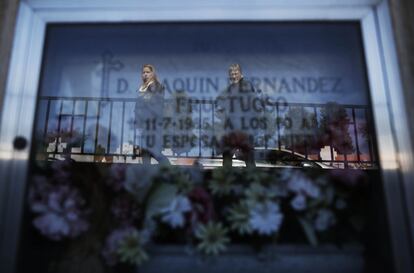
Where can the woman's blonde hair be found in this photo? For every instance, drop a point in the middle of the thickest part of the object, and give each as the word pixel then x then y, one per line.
pixel 154 77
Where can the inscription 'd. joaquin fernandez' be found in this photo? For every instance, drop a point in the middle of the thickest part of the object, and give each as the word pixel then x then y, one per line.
pixel 278 85
pixel 266 84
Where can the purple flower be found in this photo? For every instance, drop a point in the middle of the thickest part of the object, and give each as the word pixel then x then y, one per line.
pixel 55 226
pixel 60 208
pixel 52 225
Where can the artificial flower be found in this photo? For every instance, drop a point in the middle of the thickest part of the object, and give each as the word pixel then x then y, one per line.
pixel 279 188
pixel 60 210
pixel 131 248
pixel 213 238
pixel 173 214
pixel 183 180
pixel 298 202
pixel 325 219
pixel 300 184
pixel 239 218
pixel 286 174
pixel 125 245
pixel 265 218
pixel 257 193
pixel 223 180
pixel 52 226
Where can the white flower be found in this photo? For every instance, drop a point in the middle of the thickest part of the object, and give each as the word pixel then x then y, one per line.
pixel 298 202
pixel 265 218
pixel 324 220
pixel 300 184
pixel 173 214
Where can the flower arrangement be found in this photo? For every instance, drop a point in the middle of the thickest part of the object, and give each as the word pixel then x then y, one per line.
pixel 207 210
pixel 60 209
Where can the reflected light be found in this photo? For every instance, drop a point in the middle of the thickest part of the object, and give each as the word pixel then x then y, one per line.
pixel 388 161
pixel 13 155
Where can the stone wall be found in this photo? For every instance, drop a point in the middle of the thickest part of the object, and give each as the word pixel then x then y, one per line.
pixel 402 12
pixel 8 12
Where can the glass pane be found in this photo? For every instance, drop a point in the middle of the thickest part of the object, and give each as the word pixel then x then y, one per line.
pixel 237 139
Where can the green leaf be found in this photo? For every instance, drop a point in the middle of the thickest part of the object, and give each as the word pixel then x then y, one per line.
pixel 309 231
pixel 161 197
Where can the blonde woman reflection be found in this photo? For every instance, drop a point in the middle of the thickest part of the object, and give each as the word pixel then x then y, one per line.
pixel 149 110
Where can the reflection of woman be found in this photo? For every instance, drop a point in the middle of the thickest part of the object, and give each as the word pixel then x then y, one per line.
pixel 149 110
